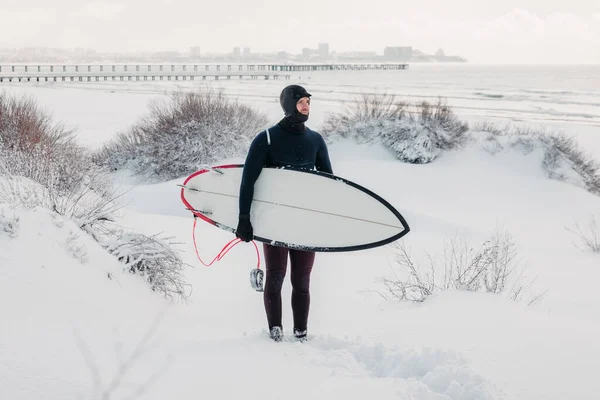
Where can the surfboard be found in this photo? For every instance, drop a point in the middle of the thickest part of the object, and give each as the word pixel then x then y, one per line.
pixel 298 209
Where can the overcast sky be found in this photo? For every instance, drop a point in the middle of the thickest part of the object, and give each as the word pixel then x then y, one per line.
pixel 484 31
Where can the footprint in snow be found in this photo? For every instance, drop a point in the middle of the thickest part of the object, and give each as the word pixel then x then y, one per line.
pixel 429 374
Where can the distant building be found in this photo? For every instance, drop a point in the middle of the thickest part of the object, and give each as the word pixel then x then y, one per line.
pixel 324 49
pixel 246 52
pixel 441 56
pixel 236 52
pixel 398 53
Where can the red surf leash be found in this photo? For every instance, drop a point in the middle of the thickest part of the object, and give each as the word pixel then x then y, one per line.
pixel 256 275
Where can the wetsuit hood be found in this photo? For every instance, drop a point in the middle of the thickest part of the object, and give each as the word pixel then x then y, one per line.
pixel 288 99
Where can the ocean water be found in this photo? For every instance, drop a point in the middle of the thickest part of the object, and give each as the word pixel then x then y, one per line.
pixel 554 98
pixel 537 95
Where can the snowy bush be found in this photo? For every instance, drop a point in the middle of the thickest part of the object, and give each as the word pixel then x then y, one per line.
pixel 491 267
pixel 416 134
pixel 178 137
pixel 85 198
pixel 562 159
pixel 42 166
pixel 589 237
pixel 151 257
pixel 32 146
pixel 26 128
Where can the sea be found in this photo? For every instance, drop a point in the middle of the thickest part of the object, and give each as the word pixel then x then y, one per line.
pixel 553 98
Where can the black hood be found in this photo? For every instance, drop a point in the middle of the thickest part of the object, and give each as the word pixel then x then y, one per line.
pixel 288 99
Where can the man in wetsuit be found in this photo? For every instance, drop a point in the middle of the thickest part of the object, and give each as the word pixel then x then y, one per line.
pixel 290 144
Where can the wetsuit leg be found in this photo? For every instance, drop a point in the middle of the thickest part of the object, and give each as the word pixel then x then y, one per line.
pixel 301 267
pixel 275 264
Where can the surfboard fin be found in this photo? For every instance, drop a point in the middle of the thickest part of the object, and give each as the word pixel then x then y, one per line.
pixel 200 211
pixel 189 188
pixel 212 169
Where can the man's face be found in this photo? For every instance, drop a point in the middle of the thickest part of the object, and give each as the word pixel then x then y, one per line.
pixel 303 105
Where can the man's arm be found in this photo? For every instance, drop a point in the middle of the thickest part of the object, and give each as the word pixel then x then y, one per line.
pixel 255 160
pixel 322 162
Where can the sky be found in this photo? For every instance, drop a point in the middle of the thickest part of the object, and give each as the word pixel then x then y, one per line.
pixel 510 31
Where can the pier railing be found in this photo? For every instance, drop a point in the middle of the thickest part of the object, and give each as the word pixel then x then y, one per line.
pixel 153 72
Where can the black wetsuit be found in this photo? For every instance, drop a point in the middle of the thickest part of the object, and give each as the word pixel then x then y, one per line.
pixel 305 150
pixel 288 144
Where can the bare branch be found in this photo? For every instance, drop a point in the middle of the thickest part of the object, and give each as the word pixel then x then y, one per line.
pixel 488 268
pixel 134 356
pixel 589 238
pixel 89 361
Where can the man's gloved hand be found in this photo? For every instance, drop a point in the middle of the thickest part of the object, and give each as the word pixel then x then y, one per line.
pixel 244 229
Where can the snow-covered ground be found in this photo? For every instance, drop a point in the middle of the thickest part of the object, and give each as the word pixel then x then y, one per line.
pixel 75 325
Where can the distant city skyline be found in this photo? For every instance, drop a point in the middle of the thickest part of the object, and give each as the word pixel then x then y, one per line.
pixel 321 48
pixel 511 31
pixel 321 53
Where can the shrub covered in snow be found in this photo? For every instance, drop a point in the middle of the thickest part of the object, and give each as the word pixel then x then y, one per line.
pixel 32 146
pixel 86 197
pixel 27 128
pixel 42 166
pixel 152 257
pixel 415 133
pixel 419 133
pixel 562 159
pixel 490 267
pixel 176 138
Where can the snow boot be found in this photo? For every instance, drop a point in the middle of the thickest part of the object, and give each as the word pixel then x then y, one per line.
pixel 300 335
pixel 276 333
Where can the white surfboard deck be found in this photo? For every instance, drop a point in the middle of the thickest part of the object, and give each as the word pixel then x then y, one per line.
pixel 306 210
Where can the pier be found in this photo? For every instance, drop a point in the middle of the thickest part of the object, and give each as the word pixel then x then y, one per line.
pixel 170 72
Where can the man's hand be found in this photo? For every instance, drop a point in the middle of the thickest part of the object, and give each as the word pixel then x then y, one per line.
pixel 244 229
